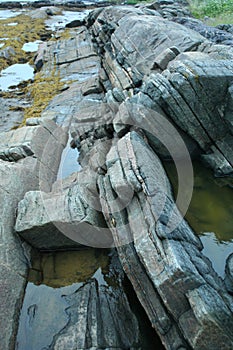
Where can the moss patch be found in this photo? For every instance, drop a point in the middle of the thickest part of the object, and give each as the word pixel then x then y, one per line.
pixel 211 8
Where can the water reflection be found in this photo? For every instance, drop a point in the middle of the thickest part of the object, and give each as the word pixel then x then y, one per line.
pixel 69 161
pixel 59 269
pixel 211 207
pixel 15 74
pixel 210 213
pixel 217 251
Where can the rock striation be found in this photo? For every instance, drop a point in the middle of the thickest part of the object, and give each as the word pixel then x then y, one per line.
pixel 135 79
pixel 21 155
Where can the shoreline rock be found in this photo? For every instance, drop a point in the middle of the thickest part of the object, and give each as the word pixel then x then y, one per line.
pixel 124 63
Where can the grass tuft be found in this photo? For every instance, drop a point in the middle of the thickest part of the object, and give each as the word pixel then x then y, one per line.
pixel 212 8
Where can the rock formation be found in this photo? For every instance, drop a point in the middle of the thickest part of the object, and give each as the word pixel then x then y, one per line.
pixel 136 79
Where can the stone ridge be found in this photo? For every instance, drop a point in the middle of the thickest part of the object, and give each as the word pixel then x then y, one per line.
pixel 131 68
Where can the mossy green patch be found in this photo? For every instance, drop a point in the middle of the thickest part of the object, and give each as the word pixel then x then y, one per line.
pixel 211 8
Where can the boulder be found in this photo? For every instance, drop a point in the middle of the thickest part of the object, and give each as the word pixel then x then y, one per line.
pixel 66 218
pixel 75 23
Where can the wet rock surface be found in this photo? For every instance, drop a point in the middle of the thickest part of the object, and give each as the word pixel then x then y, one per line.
pixel 18 176
pixel 11 113
pixel 176 262
pixel 130 72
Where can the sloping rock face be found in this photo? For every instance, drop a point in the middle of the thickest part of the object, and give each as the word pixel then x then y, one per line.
pixel 42 217
pixel 191 293
pixel 21 158
pixel 141 78
pixel 153 64
pixel 181 83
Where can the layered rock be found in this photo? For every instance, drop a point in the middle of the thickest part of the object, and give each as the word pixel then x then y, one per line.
pixel 141 78
pixel 187 291
pixel 177 69
pixel 22 153
pixel 63 219
pixel 216 35
pixel 175 283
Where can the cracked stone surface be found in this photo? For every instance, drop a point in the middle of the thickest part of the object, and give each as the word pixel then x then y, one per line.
pixel 127 65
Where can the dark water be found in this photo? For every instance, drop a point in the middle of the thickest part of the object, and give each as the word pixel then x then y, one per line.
pixel 56 274
pixel 60 269
pixel 210 213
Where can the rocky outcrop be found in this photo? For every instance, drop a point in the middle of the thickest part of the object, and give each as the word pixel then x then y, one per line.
pixel 150 69
pixel 173 69
pixel 178 11
pixel 22 152
pixel 186 286
pixel 213 34
pixel 141 80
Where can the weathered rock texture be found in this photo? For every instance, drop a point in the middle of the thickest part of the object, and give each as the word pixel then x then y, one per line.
pixel 43 216
pixel 21 153
pixel 180 83
pixel 187 296
pixel 133 65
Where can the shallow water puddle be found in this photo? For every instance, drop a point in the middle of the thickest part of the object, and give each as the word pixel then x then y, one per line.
pixel 60 269
pixel 210 213
pixel 54 277
pixel 60 21
pixel 15 74
pixel 12 24
pixel 217 251
pixel 8 14
pixel 55 297
pixel 69 161
pixel 31 46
